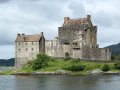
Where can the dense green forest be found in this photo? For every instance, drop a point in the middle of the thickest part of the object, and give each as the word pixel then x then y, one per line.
pixel 7 62
pixel 115 49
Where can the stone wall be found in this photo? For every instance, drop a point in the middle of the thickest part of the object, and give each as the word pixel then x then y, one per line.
pixel 26 51
pixel 67 33
pixel 55 48
pixel 89 53
pixel 76 53
pixel 86 52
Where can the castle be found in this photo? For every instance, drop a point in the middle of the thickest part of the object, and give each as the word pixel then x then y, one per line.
pixel 77 38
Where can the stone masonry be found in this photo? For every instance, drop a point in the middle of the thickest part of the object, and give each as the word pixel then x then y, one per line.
pixel 77 38
pixel 27 47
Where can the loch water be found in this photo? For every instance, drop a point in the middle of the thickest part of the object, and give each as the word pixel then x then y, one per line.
pixel 57 82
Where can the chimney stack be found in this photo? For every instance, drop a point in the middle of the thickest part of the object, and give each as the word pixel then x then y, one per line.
pixel 89 17
pixel 66 18
pixel 18 34
pixel 41 33
pixel 23 34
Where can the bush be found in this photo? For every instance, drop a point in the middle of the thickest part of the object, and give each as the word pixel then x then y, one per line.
pixel 66 59
pixel 76 60
pixel 106 67
pixel 115 57
pixel 76 68
pixel 40 62
pixel 117 65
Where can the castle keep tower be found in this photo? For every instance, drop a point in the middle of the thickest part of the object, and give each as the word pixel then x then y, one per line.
pixel 27 47
pixel 77 38
pixel 80 29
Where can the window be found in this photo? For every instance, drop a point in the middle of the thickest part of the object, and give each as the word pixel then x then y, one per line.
pixel 32 43
pixel 26 49
pixel 106 50
pixel 76 48
pixel 26 43
pixel 18 49
pixel 19 43
pixel 32 49
pixel 75 44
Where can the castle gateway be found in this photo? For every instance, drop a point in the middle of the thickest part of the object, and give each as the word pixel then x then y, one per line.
pixel 77 38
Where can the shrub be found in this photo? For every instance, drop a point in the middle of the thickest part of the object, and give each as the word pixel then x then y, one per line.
pixel 66 59
pixel 117 65
pixel 76 68
pixel 75 60
pixel 106 67
pixel 40 62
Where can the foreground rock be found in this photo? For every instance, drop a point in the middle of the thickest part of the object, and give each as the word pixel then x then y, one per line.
pixel 58 72
pixel 96 71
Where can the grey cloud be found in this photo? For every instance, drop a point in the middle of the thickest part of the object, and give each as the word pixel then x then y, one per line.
pixel 28 17
pixel 77 9
pixel 4 1
pixel 34 16
pixel 103 19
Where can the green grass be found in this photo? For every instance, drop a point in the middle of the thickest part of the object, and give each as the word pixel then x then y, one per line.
pixel 8 72
pixel 61 64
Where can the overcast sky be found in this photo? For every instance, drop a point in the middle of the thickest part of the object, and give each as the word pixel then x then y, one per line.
pixel 35 16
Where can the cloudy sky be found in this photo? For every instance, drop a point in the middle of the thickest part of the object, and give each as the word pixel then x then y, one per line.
pixel 35 16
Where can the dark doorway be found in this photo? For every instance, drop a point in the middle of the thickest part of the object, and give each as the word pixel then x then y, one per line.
pixel 66 55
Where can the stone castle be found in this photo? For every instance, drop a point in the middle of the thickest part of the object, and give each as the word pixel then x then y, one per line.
pixel 77 38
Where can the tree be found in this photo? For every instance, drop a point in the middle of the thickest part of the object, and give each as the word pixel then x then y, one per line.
pixel 106 67
pixel 117 65
pixel 41 61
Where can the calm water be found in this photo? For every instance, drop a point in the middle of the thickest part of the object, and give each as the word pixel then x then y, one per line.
pixel 95 82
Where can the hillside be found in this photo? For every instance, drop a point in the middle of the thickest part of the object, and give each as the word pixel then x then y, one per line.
pixel 7 62
pixel 114 48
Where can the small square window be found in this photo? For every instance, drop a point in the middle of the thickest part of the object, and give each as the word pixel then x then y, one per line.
pixel 18 49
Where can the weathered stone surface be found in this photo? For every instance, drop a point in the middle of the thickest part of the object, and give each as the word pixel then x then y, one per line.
pixel 77 38
pixel 27 47
pixel 96 71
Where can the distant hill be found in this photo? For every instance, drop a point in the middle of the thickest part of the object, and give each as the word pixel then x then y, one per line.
pixel 114 48
pixel 7 62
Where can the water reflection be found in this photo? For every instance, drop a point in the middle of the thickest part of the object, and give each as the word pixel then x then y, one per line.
pixel 95 82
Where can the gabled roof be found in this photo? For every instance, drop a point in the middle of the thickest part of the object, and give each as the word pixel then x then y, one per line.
pixel 75 22
pixel 28 38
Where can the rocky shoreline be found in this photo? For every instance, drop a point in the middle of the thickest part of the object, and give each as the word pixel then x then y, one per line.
pixel 62 72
